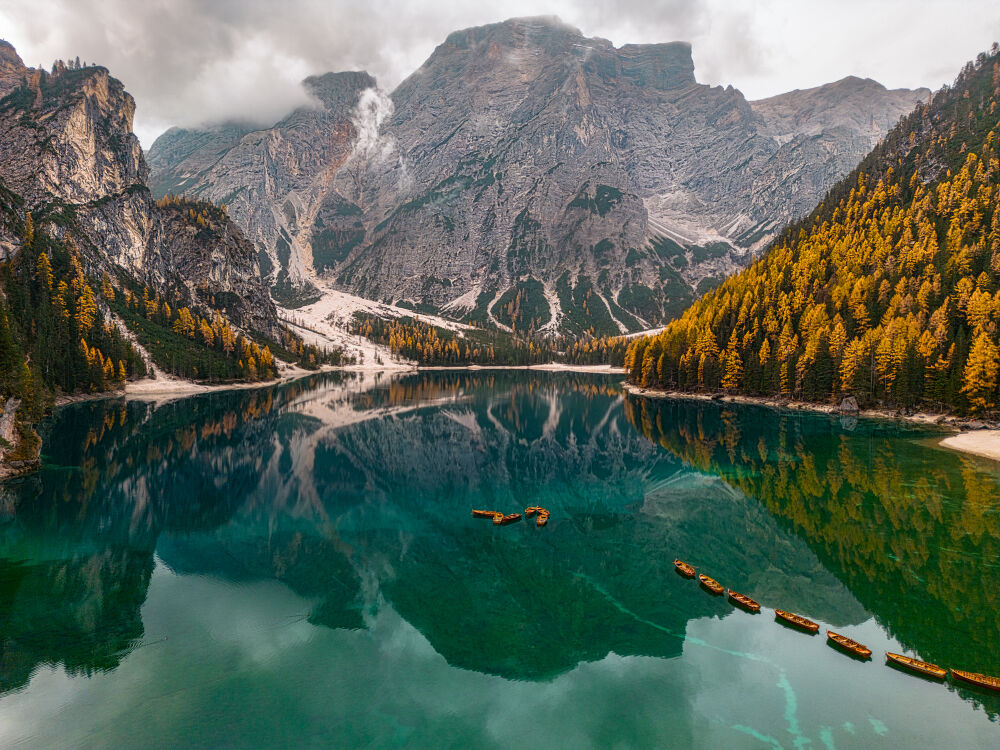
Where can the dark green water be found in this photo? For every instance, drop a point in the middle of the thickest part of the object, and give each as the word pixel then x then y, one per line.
pixel 297 568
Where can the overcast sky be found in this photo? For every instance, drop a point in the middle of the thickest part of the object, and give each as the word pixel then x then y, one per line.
pixel 193 61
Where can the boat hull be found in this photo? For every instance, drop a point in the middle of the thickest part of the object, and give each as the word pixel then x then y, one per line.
pixel 796 621
pixel 683 569
pixel 710 585
pixel 915 666
pixel 987 682
pixel 848 646
pixel 744 602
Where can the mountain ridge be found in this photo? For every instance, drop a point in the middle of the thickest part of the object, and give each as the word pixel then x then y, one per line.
pixel 541 159
pixel 887 291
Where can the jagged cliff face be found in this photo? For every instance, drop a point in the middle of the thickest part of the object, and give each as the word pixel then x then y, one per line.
pixel 523 163
pixel 276 183
pixel 69 156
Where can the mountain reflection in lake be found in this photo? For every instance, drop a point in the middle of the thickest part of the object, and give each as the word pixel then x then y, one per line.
pixel 297 566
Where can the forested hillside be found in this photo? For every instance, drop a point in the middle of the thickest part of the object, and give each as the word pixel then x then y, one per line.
pixel 889 290
pixel 98 283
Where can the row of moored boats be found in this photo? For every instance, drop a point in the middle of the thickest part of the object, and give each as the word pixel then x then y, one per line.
pixel 848 645
pixel 499 519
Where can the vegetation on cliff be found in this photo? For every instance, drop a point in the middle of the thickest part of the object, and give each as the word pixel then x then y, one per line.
pixel 889 290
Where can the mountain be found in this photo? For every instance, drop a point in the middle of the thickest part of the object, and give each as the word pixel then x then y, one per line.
pixel 68 154
pixel 276 183
pixel 98 283
pixel 526 176
pixel 889 290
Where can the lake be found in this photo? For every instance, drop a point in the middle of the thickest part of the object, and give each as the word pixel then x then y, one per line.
pixel 298 567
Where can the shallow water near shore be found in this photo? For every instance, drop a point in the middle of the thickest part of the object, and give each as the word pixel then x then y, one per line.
pixel 297 566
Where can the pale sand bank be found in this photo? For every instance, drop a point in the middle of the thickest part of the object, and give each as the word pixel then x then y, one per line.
pixel 985 443
pixel 168 388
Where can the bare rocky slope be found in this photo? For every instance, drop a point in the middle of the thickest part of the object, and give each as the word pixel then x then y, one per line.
pixel 528 176
pixel 69 157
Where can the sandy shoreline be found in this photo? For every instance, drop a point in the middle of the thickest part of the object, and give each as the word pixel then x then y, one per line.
pixel 169 388
pixel 970 437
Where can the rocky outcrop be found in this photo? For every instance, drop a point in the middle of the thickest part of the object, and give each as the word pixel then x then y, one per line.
pixel 69 156
pixel 596 187
pixel 276 183
pixel 12 69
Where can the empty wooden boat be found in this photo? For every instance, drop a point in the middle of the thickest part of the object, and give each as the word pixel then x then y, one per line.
pixel 915 665
pixel 842 641
pixel 530 511
pixel 979 680
pixel 744 601
pixel 543 518
pixel 484 513
pixel 498 518
pixel 684 569
pixel 711 584
pixel 797 621
pixel 511 518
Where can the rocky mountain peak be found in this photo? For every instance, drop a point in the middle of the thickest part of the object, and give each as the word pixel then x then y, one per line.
pixel 539 31
pixel 12 68
pixel 69 156
pixel 336 90
pixel 659 66
pixel 528 176
pixel 87 149
pixel 857 103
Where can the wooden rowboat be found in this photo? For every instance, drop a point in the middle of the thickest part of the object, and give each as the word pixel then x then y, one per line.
pixel 979 680
pixel 797 620
pixel 529 512
pixel 684 569
pixel 543 518
pixel 915 665
pixel 855 648
pixel 742 600
pixel 504 520
pixel 484 513
pixel 498 518
pixel 711 584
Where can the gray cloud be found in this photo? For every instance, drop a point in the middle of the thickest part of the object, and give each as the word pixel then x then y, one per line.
pixel 193 61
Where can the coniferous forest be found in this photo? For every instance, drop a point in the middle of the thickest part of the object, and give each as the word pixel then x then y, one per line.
pixel 54 334
pixel 888 291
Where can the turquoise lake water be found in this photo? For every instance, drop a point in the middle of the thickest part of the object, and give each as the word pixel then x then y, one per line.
pixel 297 567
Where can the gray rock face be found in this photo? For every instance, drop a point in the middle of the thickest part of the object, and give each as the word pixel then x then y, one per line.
pixel 68 155
pixel 276 183
pixel 12 69
pixel 527 176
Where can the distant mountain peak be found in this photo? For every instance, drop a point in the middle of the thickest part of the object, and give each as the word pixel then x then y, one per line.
pixel 524 165
pixel 337 89
pixel 12 68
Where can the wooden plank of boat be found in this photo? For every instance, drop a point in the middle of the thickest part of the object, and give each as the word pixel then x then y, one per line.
pixel 684 569
pixel 484 513
pixel 858 649
pixel 511 518
pixel 711 584
pixel 921 667
pixel 979 680
pixel 797 620
pixel 742 600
